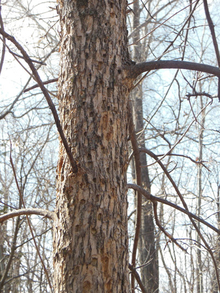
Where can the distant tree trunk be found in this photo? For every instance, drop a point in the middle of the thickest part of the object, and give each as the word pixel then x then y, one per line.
pixel 146 246
pixel 147 252
pixel 199 269
pixel 90 233
pixel 217 247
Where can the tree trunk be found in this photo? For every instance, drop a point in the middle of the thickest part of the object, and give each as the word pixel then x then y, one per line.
pixel 147 252
pixel 90 233
pixel 199 268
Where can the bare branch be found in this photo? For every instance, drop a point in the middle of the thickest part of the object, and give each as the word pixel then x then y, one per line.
pixel 21 212
pixel 134 70
pixel 137 277
pixel 162 23
pixel 163 230
pixel 37 85
pixel 153 198
pixel 47 96
pixel 29 222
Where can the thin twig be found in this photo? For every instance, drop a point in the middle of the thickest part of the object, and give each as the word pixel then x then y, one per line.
pixel 29 223
pixel 32 60
pixel 153 198
pixel 37 85
pixel 163 230
pixel 137 277
pixel 12 252
pixel 180 139
pixel 161 24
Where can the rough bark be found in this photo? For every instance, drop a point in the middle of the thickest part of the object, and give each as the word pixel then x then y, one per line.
pixel 90 233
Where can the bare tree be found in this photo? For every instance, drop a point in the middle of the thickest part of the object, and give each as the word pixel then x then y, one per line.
pixel 96 129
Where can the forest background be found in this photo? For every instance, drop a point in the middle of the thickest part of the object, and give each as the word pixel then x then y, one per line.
pixel 176 115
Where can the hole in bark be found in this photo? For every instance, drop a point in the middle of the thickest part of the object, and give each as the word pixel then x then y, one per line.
pixel 77 228
pixel 94 231
pixel 94 262
pixel 100 217
pixel 86 286
pixel 108 92
pixel 119 71
pixel 82 201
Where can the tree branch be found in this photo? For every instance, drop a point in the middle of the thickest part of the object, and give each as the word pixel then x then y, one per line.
pixel 37 85
pixel 47 96
pixel 163 230
pixel 134 70
pixel 153 198
pixel 20 212
pixel 137 277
